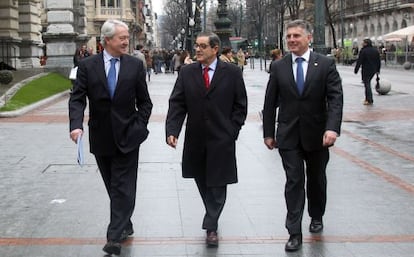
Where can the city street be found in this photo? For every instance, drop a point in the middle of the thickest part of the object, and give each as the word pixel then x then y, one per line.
pixel 51 207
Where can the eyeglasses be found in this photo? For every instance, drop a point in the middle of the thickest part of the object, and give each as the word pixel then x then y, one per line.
pixel 202 46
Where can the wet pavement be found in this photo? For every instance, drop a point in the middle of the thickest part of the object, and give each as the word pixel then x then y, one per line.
pixel 52 207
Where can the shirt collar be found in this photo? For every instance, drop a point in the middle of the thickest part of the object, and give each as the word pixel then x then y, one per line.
pixel 305 56
pixel 212 66
pixel 107 57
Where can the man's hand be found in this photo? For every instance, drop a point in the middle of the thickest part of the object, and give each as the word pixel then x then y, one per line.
pixel 270 143
pixel 74 134
pixel 329 138
pixel 172 141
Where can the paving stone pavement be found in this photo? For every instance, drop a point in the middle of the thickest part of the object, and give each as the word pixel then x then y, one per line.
pixel 52 207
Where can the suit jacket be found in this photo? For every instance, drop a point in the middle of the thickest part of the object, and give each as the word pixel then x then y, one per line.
pixel 370 60
pixel 214 119
pixel 118 123
pixel 303 119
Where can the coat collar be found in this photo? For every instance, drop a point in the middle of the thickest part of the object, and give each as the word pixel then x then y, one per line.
pixel 219 72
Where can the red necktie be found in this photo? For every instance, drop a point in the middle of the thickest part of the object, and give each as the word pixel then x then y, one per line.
pixel 206 78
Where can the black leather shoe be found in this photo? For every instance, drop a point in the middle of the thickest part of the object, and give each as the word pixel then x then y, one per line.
pixel 112 247
pixel 125 234
pixel 316 226
pixel 212 239
pixel 294 243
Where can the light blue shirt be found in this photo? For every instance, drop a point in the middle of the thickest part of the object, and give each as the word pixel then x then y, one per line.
pixel 107 62
pixel 305 63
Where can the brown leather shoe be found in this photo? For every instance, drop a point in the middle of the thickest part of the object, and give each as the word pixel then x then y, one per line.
pixel 212 239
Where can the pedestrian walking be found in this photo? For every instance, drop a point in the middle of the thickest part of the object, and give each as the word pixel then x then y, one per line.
pixel 212 96
pixel 138 53
pixel 307 88
pixel 370 60
pixel 276 55
pixel 80 54
pixel 114 84
pixel 176 61
pixel 227 55
pixel 241 59
pixel 148 61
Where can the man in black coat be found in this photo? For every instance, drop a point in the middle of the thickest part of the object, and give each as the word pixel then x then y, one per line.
pixel 119 110
pixel 310 104
pixel 211 94
pixel 369 59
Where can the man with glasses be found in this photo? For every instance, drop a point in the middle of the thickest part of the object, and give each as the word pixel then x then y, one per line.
pixel 212 96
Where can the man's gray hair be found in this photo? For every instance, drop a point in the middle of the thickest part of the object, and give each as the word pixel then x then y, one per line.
pixel 213 39
pixel 306 26
pixel 108 29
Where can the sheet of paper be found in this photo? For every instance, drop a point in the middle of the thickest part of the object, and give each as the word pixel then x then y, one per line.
pixel 79 143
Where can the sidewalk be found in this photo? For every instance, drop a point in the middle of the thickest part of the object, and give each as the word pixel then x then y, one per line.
pixel 52 207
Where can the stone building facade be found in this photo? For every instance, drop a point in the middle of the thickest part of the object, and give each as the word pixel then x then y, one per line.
pixel 48 32
pixel 353 20
pixel 21 41
pixel 370 19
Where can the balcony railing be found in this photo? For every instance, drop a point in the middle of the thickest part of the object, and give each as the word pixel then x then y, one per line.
pixel 104 11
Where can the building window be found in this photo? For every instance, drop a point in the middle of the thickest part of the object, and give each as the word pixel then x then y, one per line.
pixel 111 3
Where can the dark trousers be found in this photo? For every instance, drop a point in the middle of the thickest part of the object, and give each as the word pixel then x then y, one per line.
pixel 368 90
pixel 214 199
pixel 119 173
pixel 294 164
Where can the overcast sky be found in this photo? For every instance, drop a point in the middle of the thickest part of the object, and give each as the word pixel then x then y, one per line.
pixel 157 5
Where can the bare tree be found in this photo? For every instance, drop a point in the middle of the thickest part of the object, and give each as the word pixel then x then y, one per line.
pixel 332 15
pixel 175 18
pixel 256 17
pixel 236 14
pixel 293 6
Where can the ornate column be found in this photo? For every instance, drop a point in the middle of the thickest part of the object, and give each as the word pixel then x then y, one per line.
pixel 30 32
pixel 9 35
pixel 223 24
pixel 60 34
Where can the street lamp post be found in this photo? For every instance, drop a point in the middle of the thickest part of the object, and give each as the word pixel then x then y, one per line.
pixel 319 30
pixel 182 31
pixel 191 24
pixel 342 23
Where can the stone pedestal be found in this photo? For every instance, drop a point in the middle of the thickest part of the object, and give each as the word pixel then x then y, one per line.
pixel 60 34
pixel 223 24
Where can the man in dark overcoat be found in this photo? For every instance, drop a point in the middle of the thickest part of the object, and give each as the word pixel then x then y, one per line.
pixel 212 96
pixel 370 60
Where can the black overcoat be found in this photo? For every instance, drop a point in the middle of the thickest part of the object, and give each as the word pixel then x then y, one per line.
pixel 369 59
pixel 214 119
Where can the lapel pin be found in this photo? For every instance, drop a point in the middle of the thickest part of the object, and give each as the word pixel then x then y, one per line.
pixel 315 64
